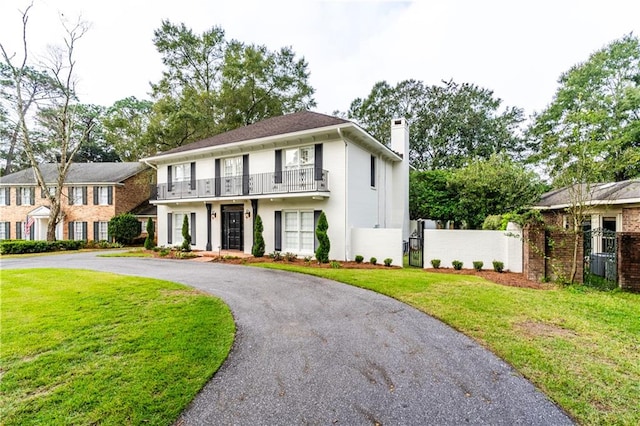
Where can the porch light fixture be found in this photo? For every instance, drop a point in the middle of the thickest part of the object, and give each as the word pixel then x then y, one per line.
pixel 247 214
pixel 213 215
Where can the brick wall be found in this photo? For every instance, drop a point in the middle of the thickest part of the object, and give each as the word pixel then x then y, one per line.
pixel 533 265
pixel 629 260
pixel 549 254
pixel 631 219
pixel 134 192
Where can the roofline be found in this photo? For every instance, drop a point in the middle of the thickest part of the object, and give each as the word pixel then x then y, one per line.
pixel 591 203
pixel 268 139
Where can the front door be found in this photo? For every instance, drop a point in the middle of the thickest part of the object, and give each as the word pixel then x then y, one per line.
pixel 232 229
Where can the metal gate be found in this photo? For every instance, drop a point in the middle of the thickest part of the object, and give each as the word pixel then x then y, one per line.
pixel 416 255
pixel 600 258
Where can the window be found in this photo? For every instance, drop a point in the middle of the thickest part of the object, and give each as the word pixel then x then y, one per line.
pixel 77 195
pixel 232 167
pixel 50 189
pixel 4 231
pixel 373 171
pixel 102 195
pixel 298 231
pixel 178 218
pixel 25 196
pixel 299 157
pixel 4 197
pixel 78 231
pixel 103 231
pixel 182 172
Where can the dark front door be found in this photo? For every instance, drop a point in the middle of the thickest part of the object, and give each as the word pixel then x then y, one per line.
pixel 232 230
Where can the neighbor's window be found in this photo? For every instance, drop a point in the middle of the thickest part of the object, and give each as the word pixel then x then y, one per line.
pixel 298 231
pixel 103 231
pixel 4 230
pixel 26 196
pixel 78 231
pixel 4 196
pixel 103 195
pixel 373 171
pixel 76 195
pixel 299 157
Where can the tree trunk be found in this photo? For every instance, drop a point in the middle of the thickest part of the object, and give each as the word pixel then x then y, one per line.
pixel 53 220
pixel 574 263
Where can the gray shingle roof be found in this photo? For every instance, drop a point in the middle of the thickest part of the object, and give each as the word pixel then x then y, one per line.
pixel 597 193
pixel 290 123
pixel 78 173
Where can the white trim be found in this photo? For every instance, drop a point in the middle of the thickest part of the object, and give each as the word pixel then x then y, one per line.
pixel 591 203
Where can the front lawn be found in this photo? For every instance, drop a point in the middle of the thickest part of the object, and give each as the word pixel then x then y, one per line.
pixel 580 346
pixel 84 347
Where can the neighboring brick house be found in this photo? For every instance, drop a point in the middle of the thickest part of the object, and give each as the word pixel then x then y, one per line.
pixel 613 207
pixel 288 169
pixel 93 193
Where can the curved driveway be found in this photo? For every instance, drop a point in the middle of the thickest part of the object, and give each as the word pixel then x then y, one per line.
pixel 313 351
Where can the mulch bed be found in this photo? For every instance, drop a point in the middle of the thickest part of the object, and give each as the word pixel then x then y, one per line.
pixel 512 279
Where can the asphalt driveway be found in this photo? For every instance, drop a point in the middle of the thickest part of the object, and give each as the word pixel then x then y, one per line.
pixel 313 351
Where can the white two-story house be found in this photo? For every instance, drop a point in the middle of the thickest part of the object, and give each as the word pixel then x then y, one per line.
pixel 287 169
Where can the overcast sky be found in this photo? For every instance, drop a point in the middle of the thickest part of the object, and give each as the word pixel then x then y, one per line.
pixel 518 49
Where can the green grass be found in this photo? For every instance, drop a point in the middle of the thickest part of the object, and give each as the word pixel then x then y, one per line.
pixel 84 347
pixel 580 346
pixel 130 253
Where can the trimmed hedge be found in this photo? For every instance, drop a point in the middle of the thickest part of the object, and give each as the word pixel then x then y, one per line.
pixel 31 246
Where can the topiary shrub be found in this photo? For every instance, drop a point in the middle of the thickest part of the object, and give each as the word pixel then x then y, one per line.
pixel 324 245
pixel 124 228
pixel 457 265
pixel 388 261
pixel 477 265
pixel 186 238
pixel 258 240
pixel 498 266
pixel 435 263
pixel 373 260
pixel 359 258
pixel 149 242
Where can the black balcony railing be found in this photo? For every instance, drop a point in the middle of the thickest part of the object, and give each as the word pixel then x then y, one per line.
pixel 284 182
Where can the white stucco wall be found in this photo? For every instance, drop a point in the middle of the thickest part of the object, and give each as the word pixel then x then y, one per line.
pixel 468 246
pixel 379 243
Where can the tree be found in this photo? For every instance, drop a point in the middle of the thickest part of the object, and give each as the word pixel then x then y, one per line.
pixel 593 122
pixel 186 237
pixel 88 124
pixel 450 124
pixel 149 242
pixel 124 228
pixel 258 240
pixel 493 186
pixel 431 196
pixel 324 245
pixel 57 113
pixel 125 126
pixel 211 85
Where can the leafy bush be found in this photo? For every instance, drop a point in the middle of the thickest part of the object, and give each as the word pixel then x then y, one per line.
pixel 335 265
pixel 164 251
pixel 373 260
pixel 359 258
pixel 36 246
pixel 492 222
pixel 185 255
pixel 186 238
pixel 149 242
pixel 307 259
pixel 388 261
pixel 258 240
pixel 498 266
pixel 275 256
pixel 435 263
pixel 457 265
pixel 324 245
pixel 290 257
pixel 124 228
pixel 477 265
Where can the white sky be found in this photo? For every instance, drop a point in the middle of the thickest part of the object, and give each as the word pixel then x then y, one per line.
pixel 518 49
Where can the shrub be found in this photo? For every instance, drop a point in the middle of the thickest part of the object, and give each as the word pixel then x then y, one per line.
pixel 435 263
pixel 37 246
pixel 149 242
pixel 498 266
pixel 258 240
pixel 335 265
pixel 359 258
pixel 275 256
pixel 457 265
pixel 307 259
pixel 289 257
pixel 373 260
pixel 186 238
pixel 164 251
pixel 324 245
pixel 477 265
pixel 492 222
pixel 185 255
pixel 124 228
pixel 388 261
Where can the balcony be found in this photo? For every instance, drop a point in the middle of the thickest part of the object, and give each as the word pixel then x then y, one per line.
pixel 285 182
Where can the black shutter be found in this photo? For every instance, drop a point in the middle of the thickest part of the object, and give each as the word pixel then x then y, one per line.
pixel 96 231
pixel 18 197
pixel 84 195
pixel 71 196
pixel 316 216
pixel 7 230
pixel 373 171
pixel 7 197
pixel 32 198
pixel 317 158
pixel 18 230
pixel 169 227
pixel 193 228
pixel 84 231
pixel 169 178
pixel 217 183
pixel 245 174
pixel 278 171
pixel 277 246
pixel 95 196
pixel 193 175
pixel 71 233
pixel 32 231
pixel 110 195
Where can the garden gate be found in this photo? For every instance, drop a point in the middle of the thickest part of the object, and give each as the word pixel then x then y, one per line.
pixel 600 258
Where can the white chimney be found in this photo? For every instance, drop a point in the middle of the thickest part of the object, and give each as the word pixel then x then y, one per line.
pixel 400 193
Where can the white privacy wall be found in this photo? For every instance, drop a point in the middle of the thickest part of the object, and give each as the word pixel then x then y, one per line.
pixel 468 246
pixel 380 243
